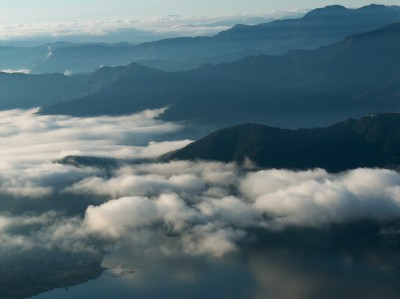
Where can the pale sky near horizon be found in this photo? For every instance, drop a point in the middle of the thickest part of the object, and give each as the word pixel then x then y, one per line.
pixel 42 11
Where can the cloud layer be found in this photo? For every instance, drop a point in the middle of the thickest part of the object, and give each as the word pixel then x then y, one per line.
pixel 134 30
pixel 31 143
pixel 194 208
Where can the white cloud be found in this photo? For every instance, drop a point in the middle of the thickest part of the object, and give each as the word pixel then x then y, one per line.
pixel 126 216
pixel 48 230
pixel 31 143
pixel 210 221
pixel 208 207
pixel 11 71
pixel 210 239
pixel 307 199
pixel 116 217
pixel 267 181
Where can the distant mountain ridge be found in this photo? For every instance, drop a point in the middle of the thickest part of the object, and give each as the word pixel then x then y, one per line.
pixel 321 26
pixel 355 76
pixel 317 28
pixel 371 141
pixel 65 57
pixel 27 91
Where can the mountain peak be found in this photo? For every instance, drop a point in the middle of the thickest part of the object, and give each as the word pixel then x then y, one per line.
pixel 374 7
pixel 339 9
pixel 327 10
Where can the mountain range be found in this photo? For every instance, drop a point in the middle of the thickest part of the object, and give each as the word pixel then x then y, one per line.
pixel 318 27
pixel 371 141
pixel 303 88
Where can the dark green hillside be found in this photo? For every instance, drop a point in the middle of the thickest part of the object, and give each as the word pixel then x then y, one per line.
pixel 372 141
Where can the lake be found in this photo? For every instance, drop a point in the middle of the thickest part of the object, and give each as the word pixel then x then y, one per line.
pixel 282 272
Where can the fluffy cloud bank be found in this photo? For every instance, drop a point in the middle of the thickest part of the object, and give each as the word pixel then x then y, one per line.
pixel 210 219
pixel 205 218
pixel 315 198
pixel 195 208
pixel 31 143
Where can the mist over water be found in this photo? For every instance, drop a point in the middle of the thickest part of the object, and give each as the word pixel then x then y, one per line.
pixel 183 227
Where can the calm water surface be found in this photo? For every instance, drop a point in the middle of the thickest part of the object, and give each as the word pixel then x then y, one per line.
pixel 281 272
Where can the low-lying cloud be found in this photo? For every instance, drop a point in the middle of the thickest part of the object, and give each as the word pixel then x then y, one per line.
pixel 134 30
pixel 11 71
pixel 31 143
pixel 201 208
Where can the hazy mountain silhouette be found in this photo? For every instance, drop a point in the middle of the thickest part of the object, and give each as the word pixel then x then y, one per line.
pixel 371 141
pixel 19 90
pixel 319 27
pixel 65 57
pixel 26 91
pixel 301 88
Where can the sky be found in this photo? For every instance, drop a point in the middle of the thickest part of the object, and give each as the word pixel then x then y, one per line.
pixel 22 11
